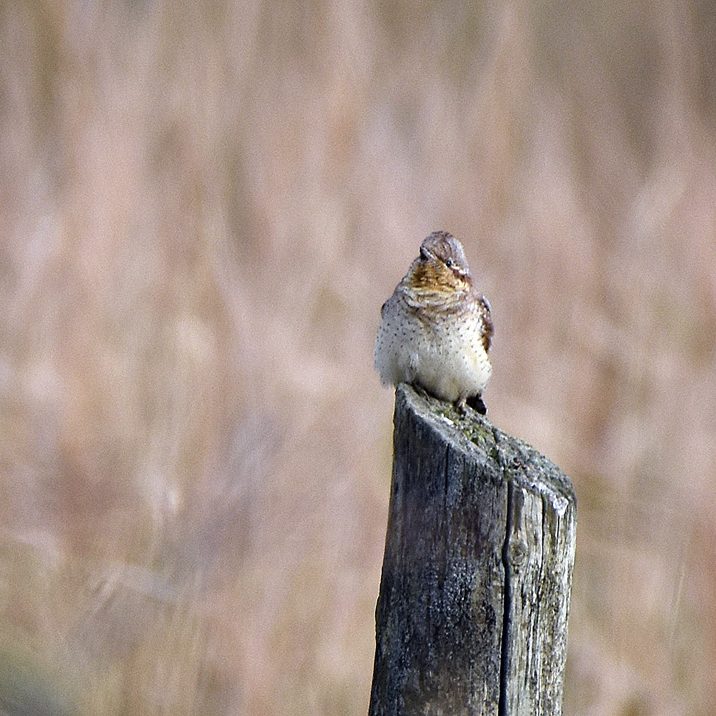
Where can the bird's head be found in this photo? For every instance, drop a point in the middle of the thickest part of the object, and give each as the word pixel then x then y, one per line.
pixel 441 266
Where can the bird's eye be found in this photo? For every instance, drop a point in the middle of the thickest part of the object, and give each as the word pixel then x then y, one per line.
pixel 424 254
pixel 449 263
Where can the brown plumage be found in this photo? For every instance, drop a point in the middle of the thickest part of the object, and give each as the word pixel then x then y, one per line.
pixel 436 328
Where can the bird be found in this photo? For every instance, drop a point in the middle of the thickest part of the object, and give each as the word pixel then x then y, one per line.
pixel 436 328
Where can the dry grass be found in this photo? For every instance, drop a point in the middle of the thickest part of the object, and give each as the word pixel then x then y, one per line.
pixel 202 210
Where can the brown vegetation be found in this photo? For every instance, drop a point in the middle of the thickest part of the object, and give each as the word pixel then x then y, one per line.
pixel 203 207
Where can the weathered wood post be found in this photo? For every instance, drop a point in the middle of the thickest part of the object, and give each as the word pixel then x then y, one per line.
pixel 474 595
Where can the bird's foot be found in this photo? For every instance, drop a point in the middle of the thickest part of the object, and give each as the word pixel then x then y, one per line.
pixel 476 403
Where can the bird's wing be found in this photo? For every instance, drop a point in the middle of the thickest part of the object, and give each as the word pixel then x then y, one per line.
pixel 488 330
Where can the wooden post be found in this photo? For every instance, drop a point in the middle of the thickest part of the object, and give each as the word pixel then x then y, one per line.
pixel 474 595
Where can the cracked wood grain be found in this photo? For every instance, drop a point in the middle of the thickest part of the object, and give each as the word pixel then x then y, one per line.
pixel 474 595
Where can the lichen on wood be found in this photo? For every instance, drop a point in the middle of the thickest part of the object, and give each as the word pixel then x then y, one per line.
pixel 474 596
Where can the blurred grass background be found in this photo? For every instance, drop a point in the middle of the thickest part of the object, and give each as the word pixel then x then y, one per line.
pixel 203 207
